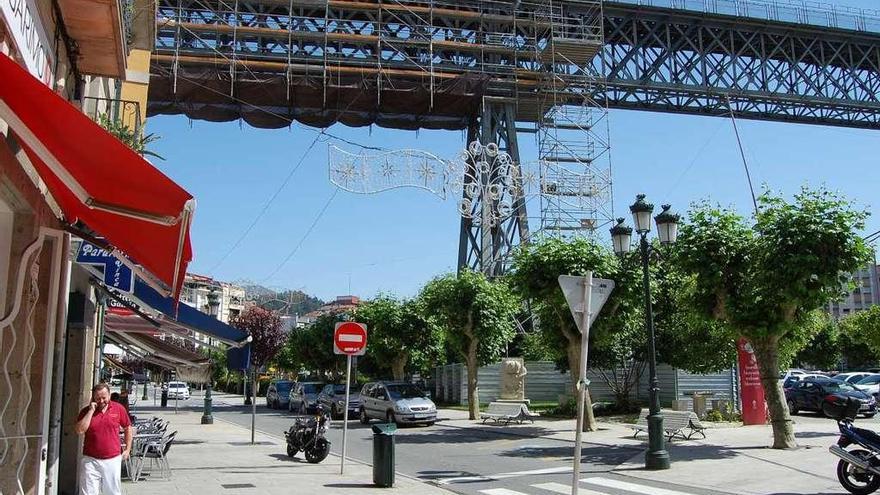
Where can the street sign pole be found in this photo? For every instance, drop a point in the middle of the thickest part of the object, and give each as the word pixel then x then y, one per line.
pixel 582 379
pixel 345 413
pixel 349 338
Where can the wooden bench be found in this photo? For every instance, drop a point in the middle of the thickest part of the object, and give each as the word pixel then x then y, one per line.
pixel 674 424
pixel 507 412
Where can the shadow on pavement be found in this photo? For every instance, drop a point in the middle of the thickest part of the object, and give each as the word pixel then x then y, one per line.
pixel 815 434
pixel 441 475
pixel 452 434
pixel 608 455
pixel 350 485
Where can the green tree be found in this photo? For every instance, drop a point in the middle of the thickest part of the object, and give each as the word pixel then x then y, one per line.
pixel 133 138
pixel 400 335
pixel 823 349
pixel 312 347
pixel 860 337
pixel 615 337
pixel 477 316
pixel 763 281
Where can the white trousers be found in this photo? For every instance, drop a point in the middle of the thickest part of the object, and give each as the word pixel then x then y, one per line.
pixel 100 476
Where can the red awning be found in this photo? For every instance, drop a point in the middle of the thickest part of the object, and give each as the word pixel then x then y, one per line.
pixel 97 179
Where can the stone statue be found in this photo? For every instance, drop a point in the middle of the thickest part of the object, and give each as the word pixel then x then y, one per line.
pixel 513 372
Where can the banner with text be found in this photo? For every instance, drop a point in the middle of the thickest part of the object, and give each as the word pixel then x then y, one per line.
pixel 754 408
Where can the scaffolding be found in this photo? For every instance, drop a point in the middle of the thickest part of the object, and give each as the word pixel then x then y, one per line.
pixel 481 65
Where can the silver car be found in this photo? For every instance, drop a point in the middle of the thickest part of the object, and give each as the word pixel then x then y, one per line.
pixel 396 402
pixel 333 397
pixel 304 397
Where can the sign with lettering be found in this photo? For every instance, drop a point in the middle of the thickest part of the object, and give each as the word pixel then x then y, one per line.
pixel 116 274
pixel 754 408
pixel 26 29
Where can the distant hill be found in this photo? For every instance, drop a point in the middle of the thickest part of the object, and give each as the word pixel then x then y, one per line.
pixel 286 302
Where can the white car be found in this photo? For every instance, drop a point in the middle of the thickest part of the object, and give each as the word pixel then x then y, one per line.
pixel 853 377
pixel 870 384
pixel 178 390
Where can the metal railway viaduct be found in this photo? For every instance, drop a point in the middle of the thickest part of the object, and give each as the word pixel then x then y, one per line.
pixel 496 67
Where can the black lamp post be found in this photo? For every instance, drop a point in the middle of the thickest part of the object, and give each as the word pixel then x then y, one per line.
pixel 657 457
pixel 207 415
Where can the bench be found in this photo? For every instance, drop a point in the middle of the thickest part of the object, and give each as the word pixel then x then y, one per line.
pixel 507 412
pixel 674 424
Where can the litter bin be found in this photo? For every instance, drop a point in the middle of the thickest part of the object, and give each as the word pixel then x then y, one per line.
pixel 164 398
pixel 383 454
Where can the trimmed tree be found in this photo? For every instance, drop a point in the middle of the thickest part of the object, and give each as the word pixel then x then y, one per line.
pixel 401 337
pixel 613 335
pixel 264 327
pixel 863 330
pixel 764 280
pixel 477 316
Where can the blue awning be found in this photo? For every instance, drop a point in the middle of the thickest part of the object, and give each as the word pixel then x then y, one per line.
pixel 188 316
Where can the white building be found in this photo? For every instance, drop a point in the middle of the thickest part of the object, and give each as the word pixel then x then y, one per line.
pixel 222 299
pixel 865 294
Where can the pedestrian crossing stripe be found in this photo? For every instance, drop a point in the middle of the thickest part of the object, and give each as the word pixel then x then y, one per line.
pixel 631 487
pixel 565 489
pixel 598 481
pixel 501 491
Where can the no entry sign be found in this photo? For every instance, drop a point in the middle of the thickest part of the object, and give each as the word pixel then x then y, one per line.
pixel 350 338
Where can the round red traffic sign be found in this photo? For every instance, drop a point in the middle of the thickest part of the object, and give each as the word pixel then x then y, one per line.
pixel 350 337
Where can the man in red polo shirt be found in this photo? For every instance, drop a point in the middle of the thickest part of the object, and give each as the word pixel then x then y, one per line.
pixel 100 421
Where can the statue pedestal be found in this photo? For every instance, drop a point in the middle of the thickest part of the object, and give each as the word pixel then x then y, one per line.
pixel 514 401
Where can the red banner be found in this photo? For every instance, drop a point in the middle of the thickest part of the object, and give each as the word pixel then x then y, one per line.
pixel 754 407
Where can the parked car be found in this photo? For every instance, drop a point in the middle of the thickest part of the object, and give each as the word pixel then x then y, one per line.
pixel 178 390
pixel 396 402
pixel 304 397
pixel 853 377
pixel 333 397
pixel 793 380
pixel 810 392
pixel 278 394
pixel 869 385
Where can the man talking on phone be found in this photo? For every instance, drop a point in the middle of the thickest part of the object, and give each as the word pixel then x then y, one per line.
pixel 100 422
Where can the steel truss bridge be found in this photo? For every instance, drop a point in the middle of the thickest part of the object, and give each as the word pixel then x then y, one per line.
pixel 496 67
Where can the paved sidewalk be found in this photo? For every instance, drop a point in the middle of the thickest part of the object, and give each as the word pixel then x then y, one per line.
pixel 733 459
pixel 204 458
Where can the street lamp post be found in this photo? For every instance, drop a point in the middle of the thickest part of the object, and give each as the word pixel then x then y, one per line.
pixel 207 415
pixel 657 457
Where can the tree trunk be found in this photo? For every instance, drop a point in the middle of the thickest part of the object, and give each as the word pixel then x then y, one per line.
pixel 767 354
pixel 473 396
pixel 398 364
pixel 573 350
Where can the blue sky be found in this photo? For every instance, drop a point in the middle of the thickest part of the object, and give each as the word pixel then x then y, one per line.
pixel 396 241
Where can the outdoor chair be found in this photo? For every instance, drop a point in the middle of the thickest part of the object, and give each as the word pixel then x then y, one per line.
pixel 158 451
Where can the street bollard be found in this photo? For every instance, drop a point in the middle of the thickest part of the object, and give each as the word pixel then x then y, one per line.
pixel 383 454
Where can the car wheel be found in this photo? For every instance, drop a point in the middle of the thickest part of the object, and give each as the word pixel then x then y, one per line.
pixel 869 415
pixel 792 407
pixel 334 412
pixel 429 423
pixel 363 417
pixel 389 418
pixel 290 407
pixel 302 409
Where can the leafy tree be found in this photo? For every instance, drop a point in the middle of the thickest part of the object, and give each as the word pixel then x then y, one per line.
pixel 312 346
pixel 763 281
pixel 400 335
pixel 477 316
pixel 860 337
pixel 615 337
pixel 823 349
pixel 264 327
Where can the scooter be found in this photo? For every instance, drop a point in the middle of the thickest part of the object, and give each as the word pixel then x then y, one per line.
pixel 307 435
pixel 859 468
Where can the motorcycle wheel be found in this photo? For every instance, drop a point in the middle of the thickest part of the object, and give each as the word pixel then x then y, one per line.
pixel 291 452
pixel 318 452
pixel 855 480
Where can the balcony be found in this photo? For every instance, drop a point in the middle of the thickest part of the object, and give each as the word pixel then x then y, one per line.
pixel 121 115
pixel 98 29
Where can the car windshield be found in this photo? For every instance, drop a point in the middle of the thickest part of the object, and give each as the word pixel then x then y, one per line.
pixel 177 385
pixel 283 386
pixel 311 388
pixel 404 392
pixel 870 380
pixel 838 386
pixel 340 390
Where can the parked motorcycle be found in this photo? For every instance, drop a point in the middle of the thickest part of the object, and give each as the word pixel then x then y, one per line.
pixel 307 435
pixel 859 468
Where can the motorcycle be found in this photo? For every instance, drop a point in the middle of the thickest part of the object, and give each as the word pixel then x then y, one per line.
pixel 307 435
pixel 859 468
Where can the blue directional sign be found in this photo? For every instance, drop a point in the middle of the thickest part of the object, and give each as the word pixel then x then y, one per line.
pixel 116 274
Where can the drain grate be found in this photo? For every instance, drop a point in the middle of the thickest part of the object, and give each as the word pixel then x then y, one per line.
pixel 238 485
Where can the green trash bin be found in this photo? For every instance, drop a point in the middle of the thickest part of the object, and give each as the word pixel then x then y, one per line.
pixel 383 454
